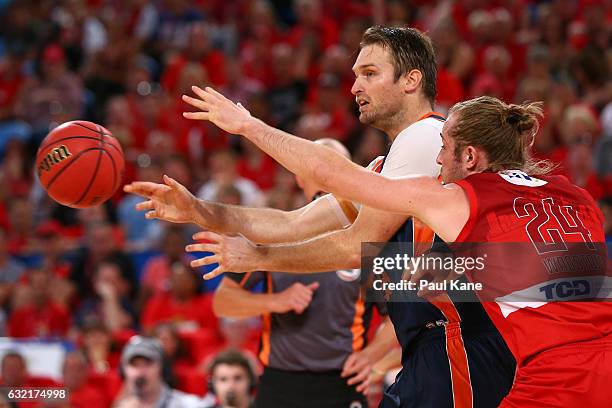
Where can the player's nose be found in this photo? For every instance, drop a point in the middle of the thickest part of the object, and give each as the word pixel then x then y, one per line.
pixel 356 88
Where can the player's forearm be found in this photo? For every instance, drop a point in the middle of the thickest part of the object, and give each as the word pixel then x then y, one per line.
pixel 328 252
pixel 302 157
pixel 240 303
pixel 384 340
pixel 257 224
pixel 267 225
pixel 392 359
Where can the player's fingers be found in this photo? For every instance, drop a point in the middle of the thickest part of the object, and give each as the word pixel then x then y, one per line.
pixel 364 387
pixel 302 298
pixel 196 115
pixel 152 215
pixel 204 94
pixel 313 286
pixel 145 205
pixel 212 91
pixel 347 369
pixel 202 247
pixel 359 378
pixel 172 183
pixel 207 260
pixel 142 188
pixel 208 236
pixel 216 272
pixel 196 103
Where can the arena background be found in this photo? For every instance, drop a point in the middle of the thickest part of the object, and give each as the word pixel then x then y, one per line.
pixel 124 64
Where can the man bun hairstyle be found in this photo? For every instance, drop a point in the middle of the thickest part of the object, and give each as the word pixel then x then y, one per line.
pixel 506 132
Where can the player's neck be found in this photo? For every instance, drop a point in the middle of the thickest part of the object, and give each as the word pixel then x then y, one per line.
pixel 414 111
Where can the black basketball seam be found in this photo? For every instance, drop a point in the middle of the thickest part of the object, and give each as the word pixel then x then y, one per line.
pixel 93 130
pixel 115 181
pixel 50 183
pixel 79 137
pixel 93 177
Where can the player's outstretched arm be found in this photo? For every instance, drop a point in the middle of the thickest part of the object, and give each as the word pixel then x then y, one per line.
pixel 174 203
pixel 420 196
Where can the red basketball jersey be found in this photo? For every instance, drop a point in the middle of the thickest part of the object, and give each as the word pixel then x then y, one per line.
pixel 547 270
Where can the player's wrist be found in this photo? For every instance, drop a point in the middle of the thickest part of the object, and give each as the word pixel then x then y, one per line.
pixel 272 302
pixel 252 127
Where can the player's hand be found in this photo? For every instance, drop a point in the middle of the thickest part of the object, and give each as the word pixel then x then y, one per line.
pixel 358 369
pixel 233 254
pixel 296 298
pixel 216 108
pixel 169 202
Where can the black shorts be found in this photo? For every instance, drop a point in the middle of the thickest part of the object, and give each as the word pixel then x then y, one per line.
pixel 306 389
pixel 425 380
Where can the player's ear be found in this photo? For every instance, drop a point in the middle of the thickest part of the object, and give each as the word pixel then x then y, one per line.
pixel 470 157
pixel 412 80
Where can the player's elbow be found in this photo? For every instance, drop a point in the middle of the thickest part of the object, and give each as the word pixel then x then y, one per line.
pixel 326 174
pixel 351 253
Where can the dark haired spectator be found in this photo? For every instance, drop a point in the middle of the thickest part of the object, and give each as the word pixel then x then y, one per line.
pixel 288 90
pixel 111 303
pixel 233 378
pixel 99 348
pixel 14 370
pixel 52 97
pixel 101 243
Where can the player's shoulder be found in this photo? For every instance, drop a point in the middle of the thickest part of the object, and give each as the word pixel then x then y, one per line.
pixel 423 127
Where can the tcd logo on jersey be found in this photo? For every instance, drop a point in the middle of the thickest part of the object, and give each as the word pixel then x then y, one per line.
pixel 521 178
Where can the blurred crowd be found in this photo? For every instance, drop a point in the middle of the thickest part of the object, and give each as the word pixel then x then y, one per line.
pixel 93 278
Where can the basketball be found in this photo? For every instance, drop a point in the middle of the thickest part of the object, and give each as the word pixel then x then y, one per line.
pixel 80 164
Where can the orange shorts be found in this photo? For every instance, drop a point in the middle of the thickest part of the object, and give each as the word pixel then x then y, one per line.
pixel 574 375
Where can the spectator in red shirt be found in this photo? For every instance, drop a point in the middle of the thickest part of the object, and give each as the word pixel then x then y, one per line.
pixel 76 381
pixel 313 27
pixel 41 316
pixel 198 50
pixel 189 310
pixel 99 348
pixel 328 116
pixel 256 166
pixel 12 79
pixel 495 81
